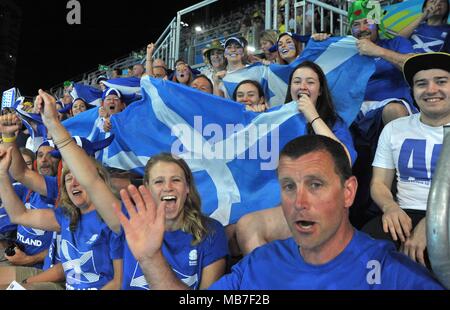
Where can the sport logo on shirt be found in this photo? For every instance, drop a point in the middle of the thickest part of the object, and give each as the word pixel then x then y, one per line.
pixel 193 258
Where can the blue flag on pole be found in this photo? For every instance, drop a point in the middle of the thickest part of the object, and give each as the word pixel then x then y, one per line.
pixel 232 152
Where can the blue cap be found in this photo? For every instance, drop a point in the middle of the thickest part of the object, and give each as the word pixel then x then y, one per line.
pixel 89 147
pixel 111 91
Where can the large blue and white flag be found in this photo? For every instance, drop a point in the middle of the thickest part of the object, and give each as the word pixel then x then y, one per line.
pixel 83 124
pixel 89 125
pixel 232 152
pixel 91 95
pixel 256 72
pixel 347 74
pixel 127 85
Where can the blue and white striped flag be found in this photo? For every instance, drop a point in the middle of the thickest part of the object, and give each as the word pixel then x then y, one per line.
pixel 89 125
pixel 232 152
pixel 91 95
pixel 256 72
pixel 127 85
pixel 347 74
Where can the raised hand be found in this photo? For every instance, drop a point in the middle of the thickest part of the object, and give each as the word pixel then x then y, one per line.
pixel 107 126
pixel 150 49
pixel 144 229
pixel 46 106
pixel 306 106
pixel 10 124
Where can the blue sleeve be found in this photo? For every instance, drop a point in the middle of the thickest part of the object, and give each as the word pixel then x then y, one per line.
pixel 233 280
pixel 215 245
pixel 400 45
pixel 20 190
pixel 400 272
pixel 341 131
pixel 52 187
pixel 116 244
pixel 59 215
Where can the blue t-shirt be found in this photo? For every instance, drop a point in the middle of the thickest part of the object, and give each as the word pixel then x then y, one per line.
pixel 87 254
pixel 427 38
pixel 342 132
pixel 387 81
pixel 33 240
pixel 186 260
pixel 5 222
pixel 364 264
pixel 54 252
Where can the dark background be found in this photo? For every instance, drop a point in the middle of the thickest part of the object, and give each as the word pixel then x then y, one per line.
pixel 51 51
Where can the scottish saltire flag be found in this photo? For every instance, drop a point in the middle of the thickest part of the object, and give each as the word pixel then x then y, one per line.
pixel 127 85
pixel 256 72
pixel 91 95
pixel 347 74
pixel 89 125
pixel 233 153
pixel 83 124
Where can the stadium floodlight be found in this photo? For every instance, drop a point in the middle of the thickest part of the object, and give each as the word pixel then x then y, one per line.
pixel 251 49
pixel 198 28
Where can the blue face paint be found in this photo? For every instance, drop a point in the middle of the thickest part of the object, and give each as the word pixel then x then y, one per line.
pixel 238 50
pixel 291 46
pixel 357 32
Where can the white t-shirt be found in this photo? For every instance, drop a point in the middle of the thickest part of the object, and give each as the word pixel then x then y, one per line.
pixel 412 149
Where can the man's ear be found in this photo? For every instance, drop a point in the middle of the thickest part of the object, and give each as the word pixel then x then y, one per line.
pixel 350 187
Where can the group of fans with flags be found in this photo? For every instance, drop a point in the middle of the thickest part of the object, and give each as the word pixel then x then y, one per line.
pixel 189 179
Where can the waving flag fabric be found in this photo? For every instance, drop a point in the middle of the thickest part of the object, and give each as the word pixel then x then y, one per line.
pixel 91 95
pixel 347 74
pixel 127 85
pixel 233 153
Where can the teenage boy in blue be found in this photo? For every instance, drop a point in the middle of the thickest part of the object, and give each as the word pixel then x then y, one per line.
pixel 325 252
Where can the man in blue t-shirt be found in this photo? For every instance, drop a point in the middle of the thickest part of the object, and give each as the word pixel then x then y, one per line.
pixel 32 244
pixel 386 88
pixel 325 252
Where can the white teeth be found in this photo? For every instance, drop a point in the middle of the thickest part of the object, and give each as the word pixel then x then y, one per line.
pixel 432 99
pixel 168 198
pixel 76 192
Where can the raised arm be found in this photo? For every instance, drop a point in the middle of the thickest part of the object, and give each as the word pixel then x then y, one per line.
pixel 308 109
pixel 79 163
pixel 144 230
pixel 9 126
pixel 395 220
pixel 149 60
pixel 429 11
pixel 368 48
pixel 40 218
